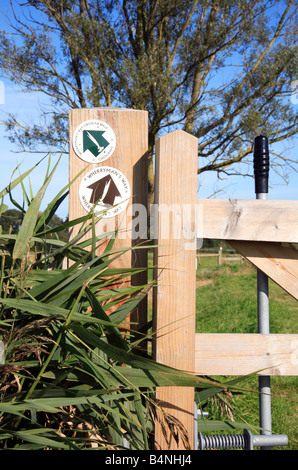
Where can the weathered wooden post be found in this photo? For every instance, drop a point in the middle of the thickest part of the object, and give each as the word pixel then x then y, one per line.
pixel 220 256
pixel 175 293
pixel 111 144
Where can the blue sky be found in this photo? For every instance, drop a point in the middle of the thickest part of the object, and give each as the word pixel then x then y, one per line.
pixel 26 107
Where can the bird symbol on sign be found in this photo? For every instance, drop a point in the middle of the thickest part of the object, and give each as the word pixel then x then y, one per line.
pixel 104 190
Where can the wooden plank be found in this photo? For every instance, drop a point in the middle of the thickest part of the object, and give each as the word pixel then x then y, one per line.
pixel 245 219
pixel 174 295
pixel 278 262
pixel 129 157
pixel 241 354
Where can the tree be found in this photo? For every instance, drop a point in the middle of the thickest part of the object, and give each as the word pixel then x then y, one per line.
pixel 11 220
pixel 219 69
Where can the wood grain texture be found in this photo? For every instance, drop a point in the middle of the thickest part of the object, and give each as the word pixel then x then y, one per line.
pixel 130 157
pixel 278 262
pixel 241 354
pixel 245 219
pixel 174 296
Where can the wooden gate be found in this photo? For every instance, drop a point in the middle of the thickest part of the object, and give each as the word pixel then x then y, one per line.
pixel 263 231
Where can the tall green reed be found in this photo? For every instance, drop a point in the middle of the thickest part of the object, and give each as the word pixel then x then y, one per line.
pixel 72 378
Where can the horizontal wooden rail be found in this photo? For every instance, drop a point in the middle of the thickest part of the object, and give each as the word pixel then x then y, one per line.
pixel 219 256
pixel 241 354
pixel 249 219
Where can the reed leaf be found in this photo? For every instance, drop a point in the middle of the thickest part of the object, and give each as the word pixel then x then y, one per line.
pixel 30 219
pixel 73 376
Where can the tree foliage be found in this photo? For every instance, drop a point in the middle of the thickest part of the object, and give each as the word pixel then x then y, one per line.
pixel 10 221
pixel 221 70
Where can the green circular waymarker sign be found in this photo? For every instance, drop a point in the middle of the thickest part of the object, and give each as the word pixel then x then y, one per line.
pixel 94 141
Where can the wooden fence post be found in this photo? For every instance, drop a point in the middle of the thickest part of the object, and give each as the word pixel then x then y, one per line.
pixel 111 144
pixel 174 295
pixel 220 256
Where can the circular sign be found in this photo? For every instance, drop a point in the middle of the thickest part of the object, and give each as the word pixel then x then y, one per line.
pixel 105 189
pixel 94 141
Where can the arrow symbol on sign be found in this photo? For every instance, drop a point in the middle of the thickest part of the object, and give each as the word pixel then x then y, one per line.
pixel 104 190
pixel 94 141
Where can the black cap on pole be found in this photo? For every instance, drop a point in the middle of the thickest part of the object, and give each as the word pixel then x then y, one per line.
pixel 261 164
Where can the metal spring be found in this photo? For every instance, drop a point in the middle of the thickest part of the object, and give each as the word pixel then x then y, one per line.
pixel 222 441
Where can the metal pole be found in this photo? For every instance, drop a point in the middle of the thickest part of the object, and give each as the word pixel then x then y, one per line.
pixel 261 170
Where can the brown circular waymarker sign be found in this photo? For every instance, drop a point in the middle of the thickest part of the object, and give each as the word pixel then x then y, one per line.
pixel 106 188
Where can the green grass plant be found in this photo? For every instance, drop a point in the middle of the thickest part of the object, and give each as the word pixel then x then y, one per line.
pixel 73 378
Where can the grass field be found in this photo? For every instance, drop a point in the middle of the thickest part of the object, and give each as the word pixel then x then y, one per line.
pixel 227 303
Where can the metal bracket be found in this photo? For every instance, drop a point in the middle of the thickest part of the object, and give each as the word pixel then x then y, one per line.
pixel 245 441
